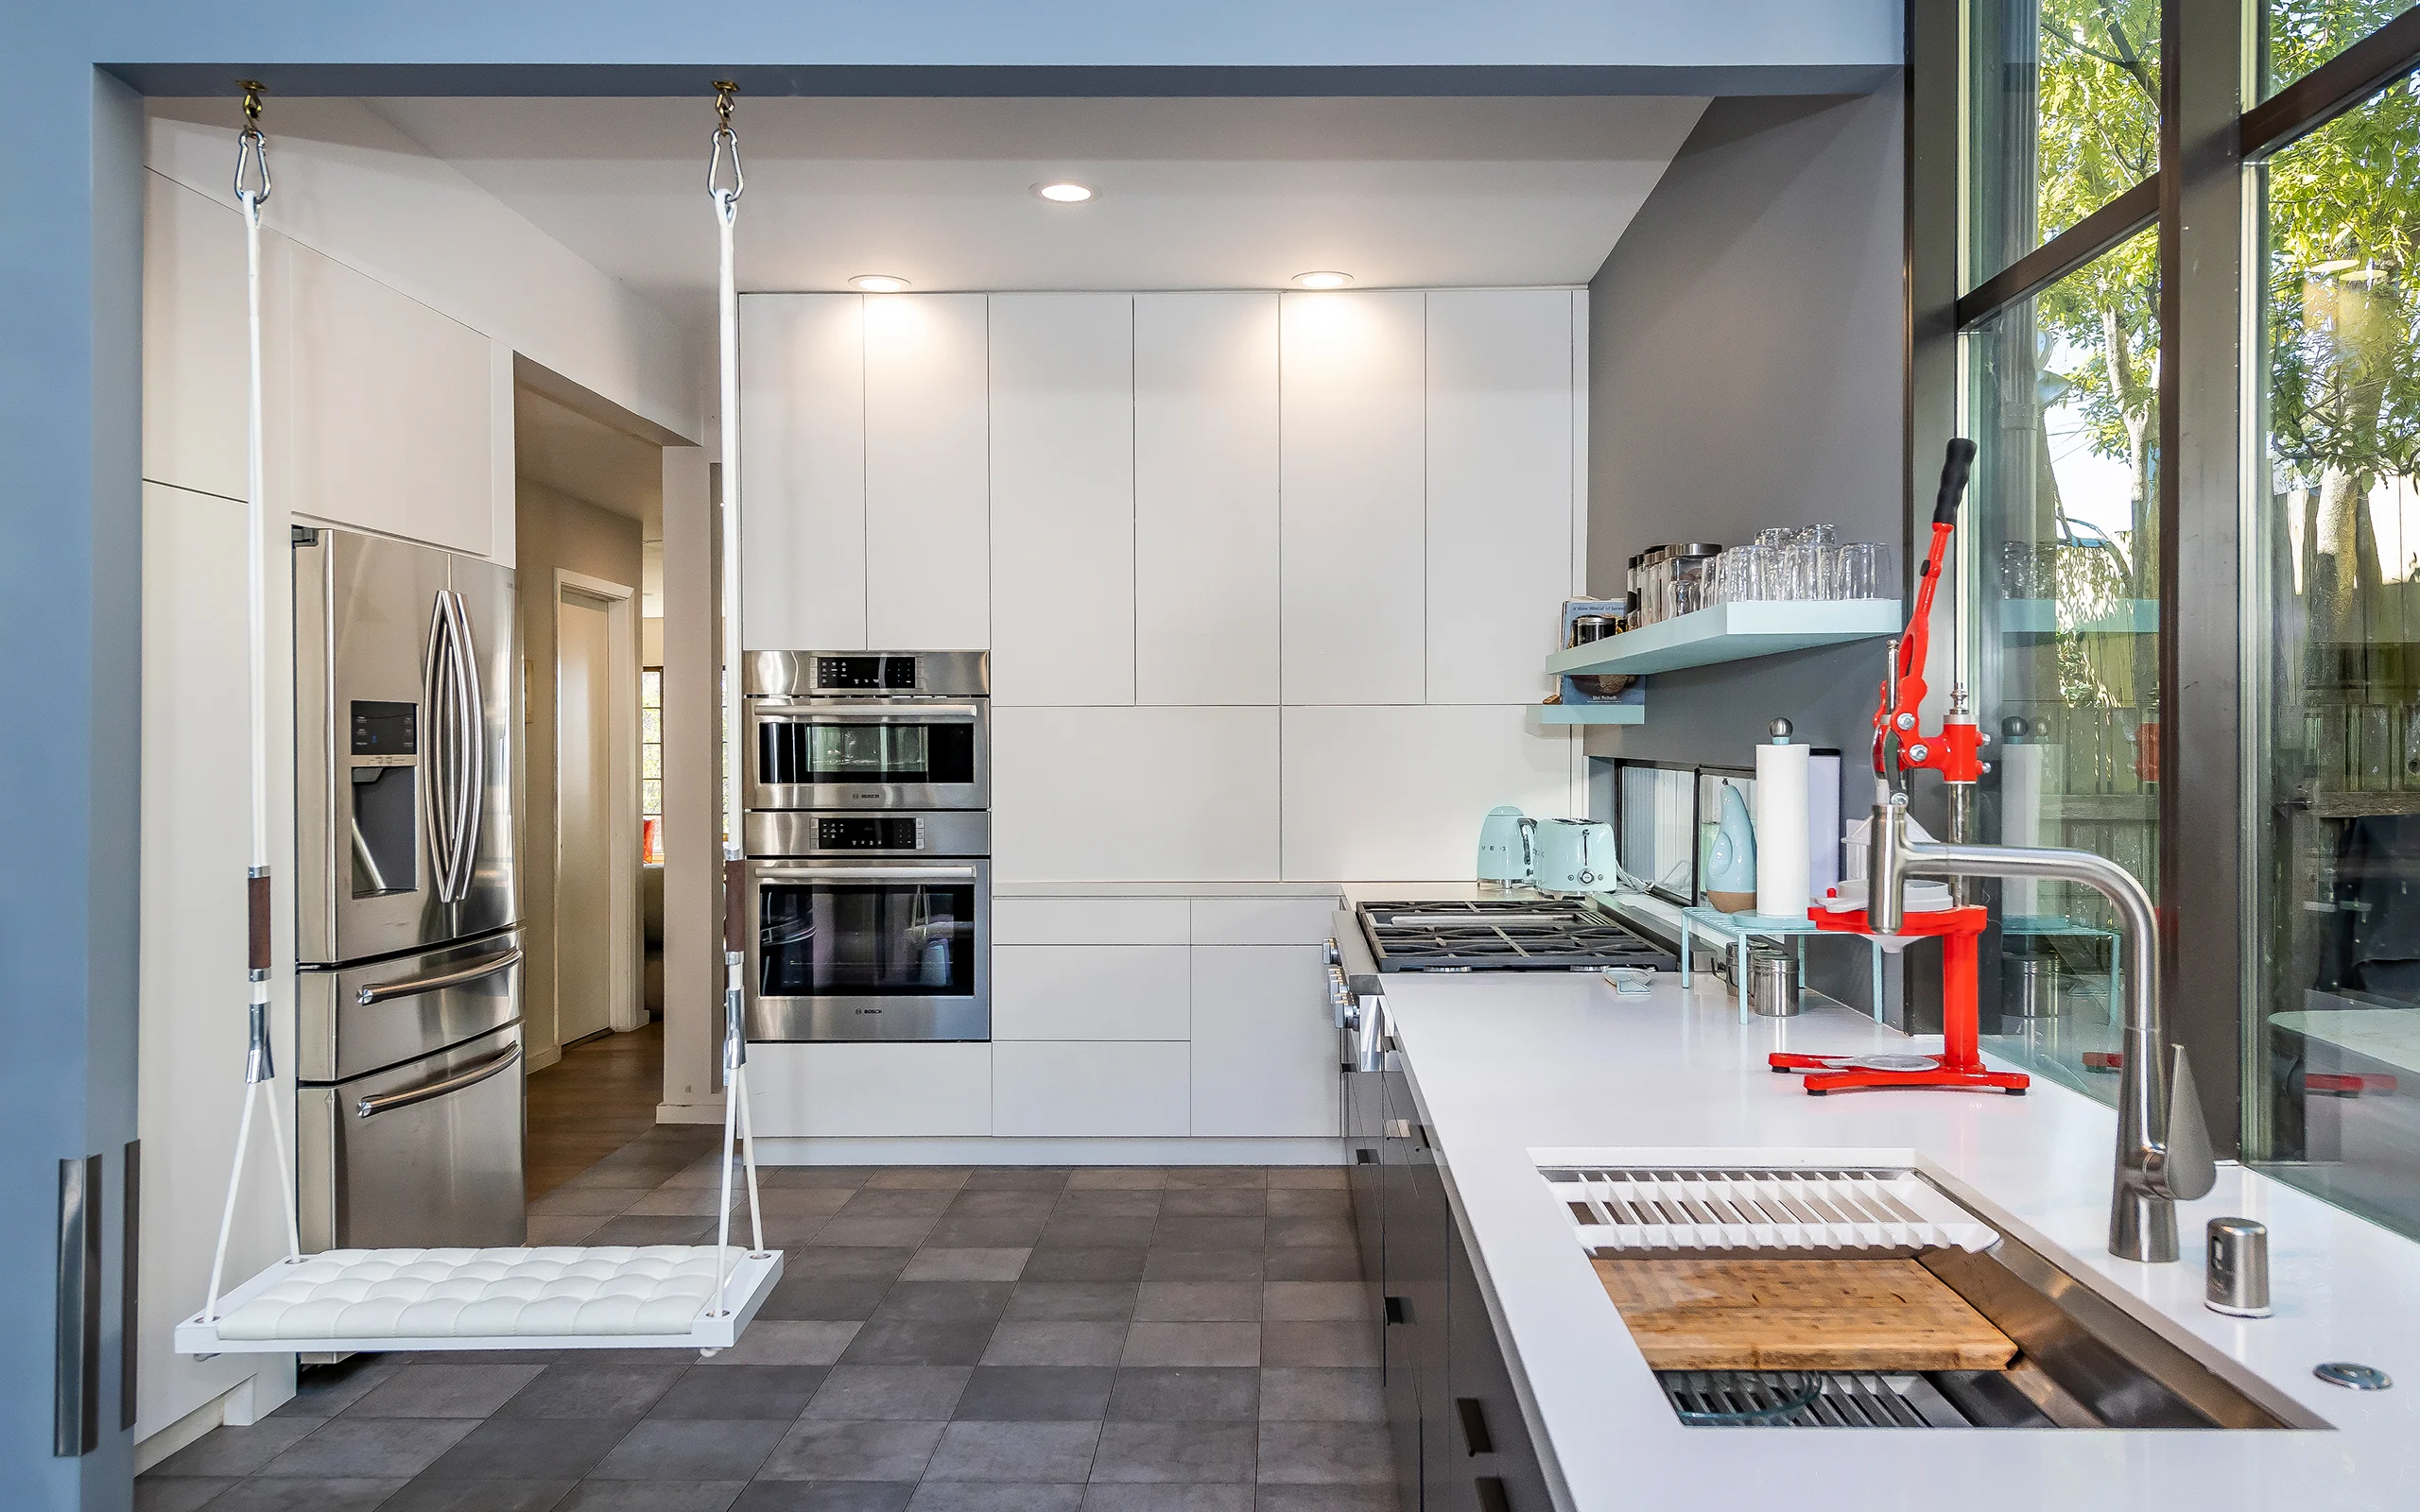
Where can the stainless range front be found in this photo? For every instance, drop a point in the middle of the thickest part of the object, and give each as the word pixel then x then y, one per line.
pixel 869 730
pixel 869 926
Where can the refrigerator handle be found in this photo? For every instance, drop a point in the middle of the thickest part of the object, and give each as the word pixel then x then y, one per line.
pixel 437 740
pixel 473 772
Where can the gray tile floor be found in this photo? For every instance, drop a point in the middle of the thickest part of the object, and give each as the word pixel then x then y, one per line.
pixel 1006 1339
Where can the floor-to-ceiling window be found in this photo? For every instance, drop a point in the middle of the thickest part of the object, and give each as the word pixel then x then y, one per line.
pixel 2300 329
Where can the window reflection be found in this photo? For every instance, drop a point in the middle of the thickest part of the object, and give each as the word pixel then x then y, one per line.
pixel 2334 1034
pixel 2065 102
pixel 2063 566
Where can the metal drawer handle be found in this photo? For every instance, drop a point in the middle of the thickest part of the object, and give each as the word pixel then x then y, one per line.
pixel 870 874
pixel 1475 1434
pixel 924 713
pixel 470 970
pixel 388 1102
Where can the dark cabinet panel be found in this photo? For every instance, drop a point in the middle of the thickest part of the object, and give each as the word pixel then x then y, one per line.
pixel 1489 1439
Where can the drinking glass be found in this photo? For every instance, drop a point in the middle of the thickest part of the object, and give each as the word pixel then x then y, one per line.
pixel 1858 573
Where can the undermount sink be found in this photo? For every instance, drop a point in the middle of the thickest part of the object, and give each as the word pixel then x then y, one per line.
pixel 2080 1360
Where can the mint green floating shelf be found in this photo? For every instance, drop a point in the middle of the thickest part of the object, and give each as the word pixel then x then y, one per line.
pixel 1592 713
pixel 1731 632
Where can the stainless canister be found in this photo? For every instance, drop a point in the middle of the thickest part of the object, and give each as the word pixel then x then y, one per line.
pixel 1772 981
pixel 2030 983
pixel 2239 1269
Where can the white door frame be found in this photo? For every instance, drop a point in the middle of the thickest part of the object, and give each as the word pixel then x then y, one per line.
pixel 623 1009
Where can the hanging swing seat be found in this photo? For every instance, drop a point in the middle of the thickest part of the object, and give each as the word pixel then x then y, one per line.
pixel 554 1298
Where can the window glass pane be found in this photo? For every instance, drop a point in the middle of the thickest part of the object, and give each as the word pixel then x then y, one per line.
pixel 2065 102
pixel 2299 35
pixel 2332 1035
pixel 2062 559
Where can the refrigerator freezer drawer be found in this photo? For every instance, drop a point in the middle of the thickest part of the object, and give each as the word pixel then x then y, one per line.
pixel 355 1020
pixel 421 1156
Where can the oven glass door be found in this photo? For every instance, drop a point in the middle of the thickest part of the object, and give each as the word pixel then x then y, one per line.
pixel 868 756
pixel 869 953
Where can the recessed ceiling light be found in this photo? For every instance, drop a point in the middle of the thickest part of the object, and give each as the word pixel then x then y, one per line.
pixel 1066 192
pixel 1325 279
pixel 878 282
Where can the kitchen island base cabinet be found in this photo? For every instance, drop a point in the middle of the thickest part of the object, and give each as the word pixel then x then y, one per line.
pixel 1460 1441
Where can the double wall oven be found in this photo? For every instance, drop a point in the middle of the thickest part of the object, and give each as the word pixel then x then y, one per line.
pixel 869 845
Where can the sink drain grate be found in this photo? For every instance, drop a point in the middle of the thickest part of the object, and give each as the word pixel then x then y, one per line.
pixel 1625 1209
pixel 1806 1398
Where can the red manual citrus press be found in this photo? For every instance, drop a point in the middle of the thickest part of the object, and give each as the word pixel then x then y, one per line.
pixel 1955 752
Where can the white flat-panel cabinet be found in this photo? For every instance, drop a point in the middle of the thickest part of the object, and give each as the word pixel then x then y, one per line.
pixel 1264 920
pixel 1071 1089
pixel 1063 498
pixel 803 471
pixel 1134 794
pixel 390 421
pixel 1500 494
pixel 928 554
pixel 1263 1042
pixel 1091 921
pixel 1205 498
pixel 893 1091
pixel 1396 794
pixel 1090 992
pixel 1352 459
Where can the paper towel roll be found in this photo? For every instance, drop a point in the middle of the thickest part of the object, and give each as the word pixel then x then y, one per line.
pixel 1781 832
pixel 2021 821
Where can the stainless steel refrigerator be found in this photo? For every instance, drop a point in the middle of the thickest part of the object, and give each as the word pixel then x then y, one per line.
pixel 409 1096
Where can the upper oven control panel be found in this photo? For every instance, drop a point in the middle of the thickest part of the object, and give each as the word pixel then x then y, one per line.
pixel 869 674
pixel 791 833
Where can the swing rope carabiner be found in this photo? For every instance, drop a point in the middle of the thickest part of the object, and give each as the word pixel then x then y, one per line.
pixel 726 150
pixel 251 152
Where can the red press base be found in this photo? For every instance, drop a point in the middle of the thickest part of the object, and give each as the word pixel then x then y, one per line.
pixel 1959 1066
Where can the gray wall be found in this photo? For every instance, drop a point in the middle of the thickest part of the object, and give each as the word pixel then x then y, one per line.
pixel 1745 351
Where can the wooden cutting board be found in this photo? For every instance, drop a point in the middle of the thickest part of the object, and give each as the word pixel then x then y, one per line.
pixel 1799 1314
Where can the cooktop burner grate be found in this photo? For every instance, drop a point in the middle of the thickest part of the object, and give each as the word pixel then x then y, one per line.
pixel 1504 934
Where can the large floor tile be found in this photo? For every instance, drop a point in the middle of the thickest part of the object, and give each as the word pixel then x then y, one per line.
pixel 825 1496
pixel 1203 1394
pixel 918 1343
pixel 535 1448
pixel 236 1451
pixel 651 1495
pixel 1327 1498
pixel 788 1341
pixel 1326 1454
pixel 1019 1452
pixel 818 1451
pixel 178 1494
pixel 1117 1178
pixel 375 1448
pixel 572 1392
pixel 444 1390
pixel 795 1300
pixel 972 1496
pixel 895 1392
pixel 1071 1301
pixel 1322 1394
pixel 1198 1302
pixel 943 1301
pixel 1215 1202
pixel 776 1393
pixel 1168 1344
pixel 1000 1263
pixel 1035 1394
pixel 689 1450
pixel 305 1494
pixel 1337 1342
pixel 1103 1496
pixel 1056 1343
pixel 427 1495
pixel 1172 1232
pixel 1316 1301
pixel 1181 1452
pixel 1312 1264
pixel 1084 1264
pixel 1203 1265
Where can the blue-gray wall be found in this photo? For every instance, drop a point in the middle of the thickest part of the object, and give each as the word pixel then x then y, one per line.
pixel 1746 369
pixel 70 250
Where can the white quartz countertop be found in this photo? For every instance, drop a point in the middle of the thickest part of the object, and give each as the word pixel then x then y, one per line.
pixel 1166 890
pixel 1510 1069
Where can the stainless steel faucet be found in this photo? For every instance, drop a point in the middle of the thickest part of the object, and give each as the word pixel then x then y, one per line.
pixel 2162 1145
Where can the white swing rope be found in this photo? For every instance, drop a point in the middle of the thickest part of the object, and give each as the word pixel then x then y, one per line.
pixel 251 193
pixel 735 1121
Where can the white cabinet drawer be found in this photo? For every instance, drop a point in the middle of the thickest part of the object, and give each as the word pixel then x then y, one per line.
pixel 1089 992
pixel 1089 921
pixel 1263 1042
pixel 892 1090
pixel 1060 1090
pixel 1262 921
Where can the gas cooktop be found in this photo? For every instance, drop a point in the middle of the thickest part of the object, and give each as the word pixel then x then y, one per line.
pixel 1505 935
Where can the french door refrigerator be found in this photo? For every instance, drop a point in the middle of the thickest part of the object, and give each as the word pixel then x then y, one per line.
pixel 409 1094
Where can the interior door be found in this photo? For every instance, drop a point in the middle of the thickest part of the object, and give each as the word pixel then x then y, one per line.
pixel 583 815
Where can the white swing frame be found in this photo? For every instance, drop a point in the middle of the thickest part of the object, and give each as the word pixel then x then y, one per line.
pixel 741 1285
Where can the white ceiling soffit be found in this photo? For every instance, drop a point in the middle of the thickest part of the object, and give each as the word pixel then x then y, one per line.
pixel 1195 193
pixel 571 454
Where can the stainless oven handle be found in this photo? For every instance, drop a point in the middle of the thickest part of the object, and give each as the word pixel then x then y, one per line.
pixel 922 713
pixel 388 1102
pixel 470 970
pixel 867 874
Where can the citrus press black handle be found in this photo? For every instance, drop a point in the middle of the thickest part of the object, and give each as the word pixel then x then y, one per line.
pixel 1954 469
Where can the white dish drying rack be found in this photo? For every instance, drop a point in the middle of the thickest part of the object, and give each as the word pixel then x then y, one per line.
pixel 1730 1210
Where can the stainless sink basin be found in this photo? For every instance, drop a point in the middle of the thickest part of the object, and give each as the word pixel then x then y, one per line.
pixel 2082 1361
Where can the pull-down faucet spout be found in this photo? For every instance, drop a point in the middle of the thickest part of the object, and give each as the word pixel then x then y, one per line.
pixel 2162 1145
